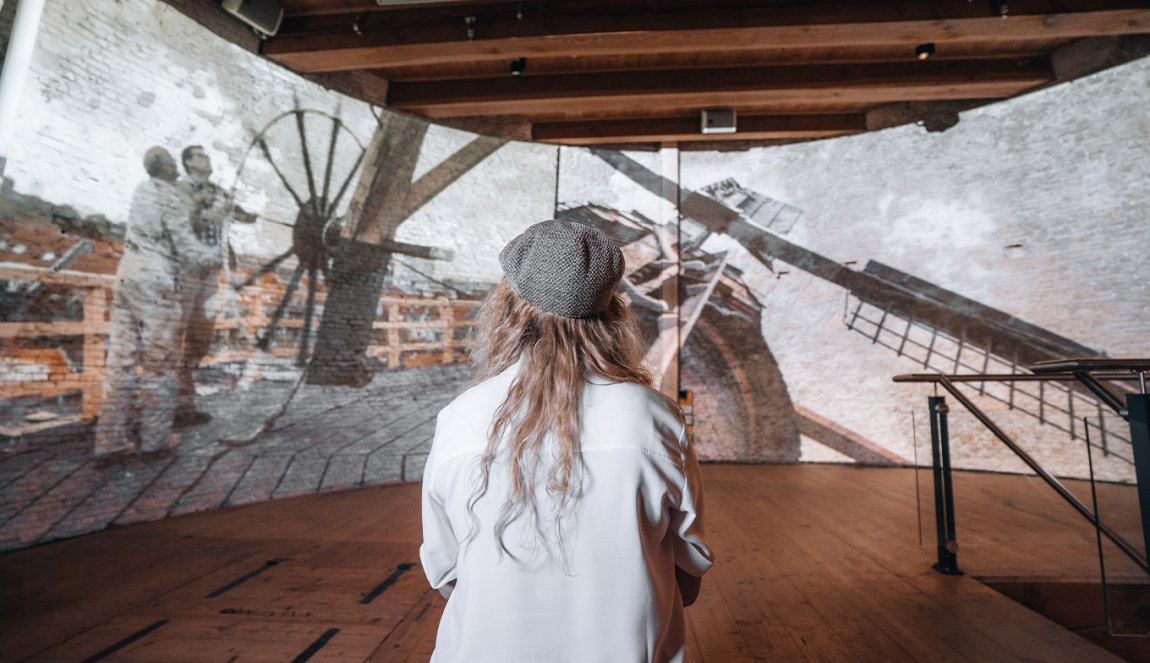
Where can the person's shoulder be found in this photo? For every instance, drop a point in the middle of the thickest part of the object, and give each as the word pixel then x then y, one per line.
pixel 154 191
pixel 633 415
pixel 150 186
pixel 641 397
pixel 463 423
pixel 480 399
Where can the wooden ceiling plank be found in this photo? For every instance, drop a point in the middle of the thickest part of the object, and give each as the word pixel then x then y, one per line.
pixel 750 127
pixel 761 56
pixel 875 83
pixel 329 7
pixel 574 17
pixel 431 45
pixel 358 84
pixel 866 96
pixel 1087 56
pixel 624 13
pixel 684 136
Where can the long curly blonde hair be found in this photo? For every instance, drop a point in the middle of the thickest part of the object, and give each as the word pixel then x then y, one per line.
pixel 558 355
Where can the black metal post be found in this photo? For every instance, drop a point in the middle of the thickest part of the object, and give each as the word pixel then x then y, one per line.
pixel 943 488
pixel 1138 408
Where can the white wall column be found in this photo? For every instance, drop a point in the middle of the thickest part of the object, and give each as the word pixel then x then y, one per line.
pixel 17 61
pixel 669 323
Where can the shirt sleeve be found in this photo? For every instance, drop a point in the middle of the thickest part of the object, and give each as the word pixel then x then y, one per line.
pixel 440 548
pixel 692 554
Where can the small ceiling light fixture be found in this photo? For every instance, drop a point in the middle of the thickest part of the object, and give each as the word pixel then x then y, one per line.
pixel 924 51
pixel 938 119
pixel 1012 251
pixel 518 66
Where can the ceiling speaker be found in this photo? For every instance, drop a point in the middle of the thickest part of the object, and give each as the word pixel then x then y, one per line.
pixel 263 15
pixel 717 121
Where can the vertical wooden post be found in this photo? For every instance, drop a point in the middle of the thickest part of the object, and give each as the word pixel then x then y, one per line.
pixel 393 354
pixel 670 320
pixel 93 358
pixel 447 316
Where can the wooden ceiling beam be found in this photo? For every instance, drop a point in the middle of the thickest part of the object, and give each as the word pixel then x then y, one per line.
pixel 868 83
pixel 358 84
pixel 687 129
pixel 331 43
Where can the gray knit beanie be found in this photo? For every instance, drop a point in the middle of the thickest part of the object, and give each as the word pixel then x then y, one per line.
pixel 564 268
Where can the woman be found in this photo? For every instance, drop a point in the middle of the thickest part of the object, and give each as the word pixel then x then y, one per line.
pixel 562 504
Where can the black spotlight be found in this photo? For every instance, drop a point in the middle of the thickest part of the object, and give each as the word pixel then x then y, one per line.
pixel 518 66
pixel 924 51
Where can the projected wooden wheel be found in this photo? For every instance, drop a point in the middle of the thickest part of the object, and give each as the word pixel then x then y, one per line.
pixel 300 167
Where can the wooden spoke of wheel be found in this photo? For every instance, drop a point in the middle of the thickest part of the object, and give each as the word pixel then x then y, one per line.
pixel 346 182
pixel 268 155
pixel 264 270
pixel 335 126
pixel 309 311
pixel 306 153
pixel 269 335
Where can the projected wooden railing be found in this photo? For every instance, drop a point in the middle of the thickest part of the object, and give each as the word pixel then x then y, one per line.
pixel 47 372
pixel 413 331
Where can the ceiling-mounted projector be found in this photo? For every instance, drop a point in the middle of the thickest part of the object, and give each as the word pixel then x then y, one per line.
pixel 263 15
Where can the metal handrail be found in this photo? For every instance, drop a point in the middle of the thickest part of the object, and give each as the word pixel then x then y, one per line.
pixel 1004 377
pixel 1081 369
pixel 1073 365
pixel 1064 370
pixel 1043 374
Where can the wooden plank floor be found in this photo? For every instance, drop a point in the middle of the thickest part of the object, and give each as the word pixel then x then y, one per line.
pixel 815 563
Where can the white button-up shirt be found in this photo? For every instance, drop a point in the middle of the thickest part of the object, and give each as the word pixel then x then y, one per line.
pixel 608 591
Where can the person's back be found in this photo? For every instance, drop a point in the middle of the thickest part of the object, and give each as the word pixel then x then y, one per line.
pixel 609 594
pixel 561 544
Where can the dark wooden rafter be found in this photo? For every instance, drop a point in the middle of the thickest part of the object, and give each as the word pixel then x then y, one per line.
pixel 873 83
pixel 758 127
pixel 328 43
